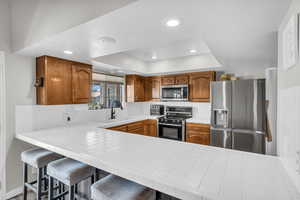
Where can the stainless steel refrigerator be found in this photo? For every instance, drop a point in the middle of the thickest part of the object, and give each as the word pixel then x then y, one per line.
pixel 238 115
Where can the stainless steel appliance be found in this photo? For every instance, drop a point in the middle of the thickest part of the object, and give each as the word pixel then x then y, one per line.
pixel 174 93
pixel 156 109
pixel 238 115
pixel 172 125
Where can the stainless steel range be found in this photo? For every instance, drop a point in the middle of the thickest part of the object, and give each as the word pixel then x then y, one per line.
pixel 172 125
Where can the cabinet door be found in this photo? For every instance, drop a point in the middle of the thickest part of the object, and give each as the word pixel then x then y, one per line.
pixel 139 89
pixel 130 88
pixel 58 81
pixel 200 86
pixel 151 128
pixel 156 88
pixel 168 80
pixel 198 133
pixel 148 89
pixel 182 80
pixel 81 76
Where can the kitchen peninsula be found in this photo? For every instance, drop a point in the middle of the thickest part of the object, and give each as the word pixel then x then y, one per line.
pixel 183 170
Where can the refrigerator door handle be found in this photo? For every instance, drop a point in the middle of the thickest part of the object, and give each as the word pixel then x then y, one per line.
pixel 248 131
pixel 220 129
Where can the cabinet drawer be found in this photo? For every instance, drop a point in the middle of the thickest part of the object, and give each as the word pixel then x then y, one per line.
pixel 199 138
pixel 198 129
pixel 194 126
pixel 135 125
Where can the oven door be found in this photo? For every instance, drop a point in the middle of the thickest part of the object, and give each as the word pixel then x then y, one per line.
pixel 171 131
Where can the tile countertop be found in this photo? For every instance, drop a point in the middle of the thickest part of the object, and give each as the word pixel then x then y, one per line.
pixel 183 170
pixel 198 120
pixel 118 122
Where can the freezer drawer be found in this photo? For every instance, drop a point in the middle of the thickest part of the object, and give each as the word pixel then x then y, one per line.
pixel 247 140
pixel 220 138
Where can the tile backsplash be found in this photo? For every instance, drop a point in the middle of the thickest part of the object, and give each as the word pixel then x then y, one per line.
pixel 34 117
pixel 200 110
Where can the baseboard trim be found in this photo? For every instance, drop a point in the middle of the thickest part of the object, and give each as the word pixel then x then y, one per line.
pixel 14 192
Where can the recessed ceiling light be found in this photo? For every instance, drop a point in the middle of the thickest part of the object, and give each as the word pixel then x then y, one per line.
pixel 154 57
pixel 173 23
pixel 193 51
pixel 68 52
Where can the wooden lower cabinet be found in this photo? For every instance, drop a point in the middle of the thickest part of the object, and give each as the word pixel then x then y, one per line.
pixel 150 128
pixel 195 133
pixel 198 133
pixel 136 127
pixel 145 127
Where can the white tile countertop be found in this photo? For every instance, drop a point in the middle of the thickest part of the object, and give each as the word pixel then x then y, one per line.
pixel 183 170
pixel 118 122
pixel 198 121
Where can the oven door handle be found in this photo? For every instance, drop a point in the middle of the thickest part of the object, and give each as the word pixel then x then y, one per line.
pixel 170 124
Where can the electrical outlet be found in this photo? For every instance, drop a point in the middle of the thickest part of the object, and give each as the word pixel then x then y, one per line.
pixel 66 117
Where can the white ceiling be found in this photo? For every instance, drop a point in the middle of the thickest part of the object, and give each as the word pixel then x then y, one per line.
pixel 174 50
pixel 241 34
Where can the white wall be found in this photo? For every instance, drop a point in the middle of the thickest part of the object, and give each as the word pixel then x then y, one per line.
pixel 20 74
pixel 5 26
pixel 34 20
pixel 289 108
pixel 34 117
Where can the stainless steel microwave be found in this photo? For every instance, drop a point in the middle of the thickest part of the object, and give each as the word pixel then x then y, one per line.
pixel 174 93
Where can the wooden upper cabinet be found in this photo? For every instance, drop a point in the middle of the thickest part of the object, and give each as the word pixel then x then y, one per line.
pixel 81 80
pixel 56 81
pixel 135 88
pixel 156 82
pixel 198 133
pixel 182 79
pixel 140 88
pixel 148 88
pixel 200 86
pixel 168 80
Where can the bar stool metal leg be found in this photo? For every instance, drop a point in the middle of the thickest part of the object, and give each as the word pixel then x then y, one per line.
pixel 25 180
pixel 71 192
pixel 39 183
pixel 50 188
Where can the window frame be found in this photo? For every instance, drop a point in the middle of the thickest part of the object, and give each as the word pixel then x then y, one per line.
pixel 120 93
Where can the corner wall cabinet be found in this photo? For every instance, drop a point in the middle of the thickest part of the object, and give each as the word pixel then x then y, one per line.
pixel 60 81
